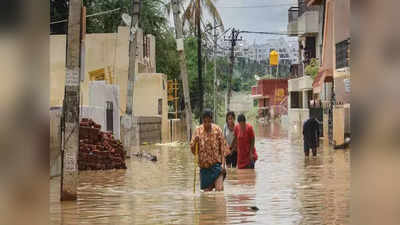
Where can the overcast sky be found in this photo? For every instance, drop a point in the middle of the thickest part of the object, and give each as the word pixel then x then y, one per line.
pixel 256 15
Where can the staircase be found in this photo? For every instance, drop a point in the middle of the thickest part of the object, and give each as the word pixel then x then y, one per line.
pixel 284 105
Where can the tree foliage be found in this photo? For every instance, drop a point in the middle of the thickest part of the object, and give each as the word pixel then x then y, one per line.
pixel 313 68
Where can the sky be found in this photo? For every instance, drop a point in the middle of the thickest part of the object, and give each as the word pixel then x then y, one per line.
pixel 255 15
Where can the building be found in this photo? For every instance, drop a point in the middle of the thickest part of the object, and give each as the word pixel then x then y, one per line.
pixel 106 76
pixel 332 86
pixel 271 96
pixel 306 22
pixel 300 95
pixel 323 28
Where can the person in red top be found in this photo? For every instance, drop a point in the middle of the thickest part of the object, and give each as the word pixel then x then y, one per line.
pixel 244 140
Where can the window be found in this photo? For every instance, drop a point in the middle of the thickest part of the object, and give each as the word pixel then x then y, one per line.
pixel 160 106
pixel 109 116
pixel 342 54
pixel 296 100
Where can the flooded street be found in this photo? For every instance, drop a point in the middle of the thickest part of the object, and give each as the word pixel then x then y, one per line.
pixel 286 188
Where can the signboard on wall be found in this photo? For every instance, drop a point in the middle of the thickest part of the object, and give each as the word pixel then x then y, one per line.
pixel 347 85
pixel 279 94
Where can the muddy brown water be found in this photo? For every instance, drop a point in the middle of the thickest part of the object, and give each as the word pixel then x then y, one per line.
pixel 286 188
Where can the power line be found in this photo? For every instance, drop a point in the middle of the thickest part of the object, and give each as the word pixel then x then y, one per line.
pixel 88 16
pixel 271 33
pixel 255 6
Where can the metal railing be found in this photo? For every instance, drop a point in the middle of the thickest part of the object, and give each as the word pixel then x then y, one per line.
pixel 296 70
pixel 304 8
pixel 293 14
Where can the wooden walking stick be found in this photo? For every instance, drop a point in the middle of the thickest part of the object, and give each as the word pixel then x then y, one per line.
pixel 196 160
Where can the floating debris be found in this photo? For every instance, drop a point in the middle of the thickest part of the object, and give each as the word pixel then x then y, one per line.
pixel 254 208
pixel 150 157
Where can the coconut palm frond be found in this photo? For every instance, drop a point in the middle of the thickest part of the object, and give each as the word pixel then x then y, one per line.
pixel 190 14
pixel 168 8
pixel 210 7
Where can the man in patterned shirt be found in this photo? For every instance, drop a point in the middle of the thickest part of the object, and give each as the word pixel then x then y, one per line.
pixel 212 152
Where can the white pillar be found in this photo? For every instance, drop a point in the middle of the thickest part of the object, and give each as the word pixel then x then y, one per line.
pixel 305 99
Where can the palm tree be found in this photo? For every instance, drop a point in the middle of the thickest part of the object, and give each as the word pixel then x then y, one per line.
pixel 193 14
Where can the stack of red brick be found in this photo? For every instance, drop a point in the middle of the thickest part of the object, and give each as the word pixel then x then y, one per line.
pixel 98 150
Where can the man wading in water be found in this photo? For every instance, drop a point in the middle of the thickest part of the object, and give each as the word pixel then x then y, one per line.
pixel 212 150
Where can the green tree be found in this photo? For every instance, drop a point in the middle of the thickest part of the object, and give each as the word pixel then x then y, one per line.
pixel 193 14
pixel 313 68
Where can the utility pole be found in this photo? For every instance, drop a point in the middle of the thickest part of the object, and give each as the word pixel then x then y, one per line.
pixel 182 64
pixel 70 122
pixel 199 63
pixel 233 39
pixel 215 70
pixel 127 121
pixel 132 55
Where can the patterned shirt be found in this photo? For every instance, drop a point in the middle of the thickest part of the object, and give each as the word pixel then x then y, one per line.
pixel 211 145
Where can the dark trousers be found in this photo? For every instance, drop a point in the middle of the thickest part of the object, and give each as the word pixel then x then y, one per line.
pixel 252 165
pixel 231 160
pixel 307 152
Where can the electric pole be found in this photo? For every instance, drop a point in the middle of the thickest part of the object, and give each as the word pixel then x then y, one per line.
pixel 132 55
pixel 182 64
pixel 233 39
pixel 70 121
pixel 199 63
pixel 215 69
pixel 127 121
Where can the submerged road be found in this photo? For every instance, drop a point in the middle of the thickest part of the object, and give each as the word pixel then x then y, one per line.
pixel 286 189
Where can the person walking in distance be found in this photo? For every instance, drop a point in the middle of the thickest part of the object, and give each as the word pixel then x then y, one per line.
pixel 212 150
pixel 311 136
pixel 245 140
pixel 229 134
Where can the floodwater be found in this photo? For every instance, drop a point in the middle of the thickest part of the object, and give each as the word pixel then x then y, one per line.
pixel 286 188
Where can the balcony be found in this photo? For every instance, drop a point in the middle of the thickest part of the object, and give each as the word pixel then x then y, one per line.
pixel 300 84
pixel 307 22
pixel 296 70
pixel 293 14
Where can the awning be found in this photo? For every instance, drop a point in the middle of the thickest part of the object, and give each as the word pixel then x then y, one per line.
pixel 314 2
pixel 259 96
pixel 323 75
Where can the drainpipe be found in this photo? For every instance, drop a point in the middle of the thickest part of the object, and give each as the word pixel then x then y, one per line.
pixel 323 22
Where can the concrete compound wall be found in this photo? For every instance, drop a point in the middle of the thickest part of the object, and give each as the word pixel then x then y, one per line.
pixel 148 130
pixel 150 89
pixel 296 119
pixel 177 129
pixel 108 50
pixel 96 113
pixel 102 51
pixel 99 94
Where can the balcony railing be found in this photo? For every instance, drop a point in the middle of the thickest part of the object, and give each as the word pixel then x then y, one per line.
pixel 293 14
pixel 296 70
pixel 343 54
pixel 304 8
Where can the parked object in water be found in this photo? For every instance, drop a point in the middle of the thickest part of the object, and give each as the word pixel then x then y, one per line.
pixel 148 156
pixel 345 145
pixel 254 208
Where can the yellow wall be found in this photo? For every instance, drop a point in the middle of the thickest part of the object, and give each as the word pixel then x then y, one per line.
pixel 102 50
pixel 148 89
pixel 110 50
